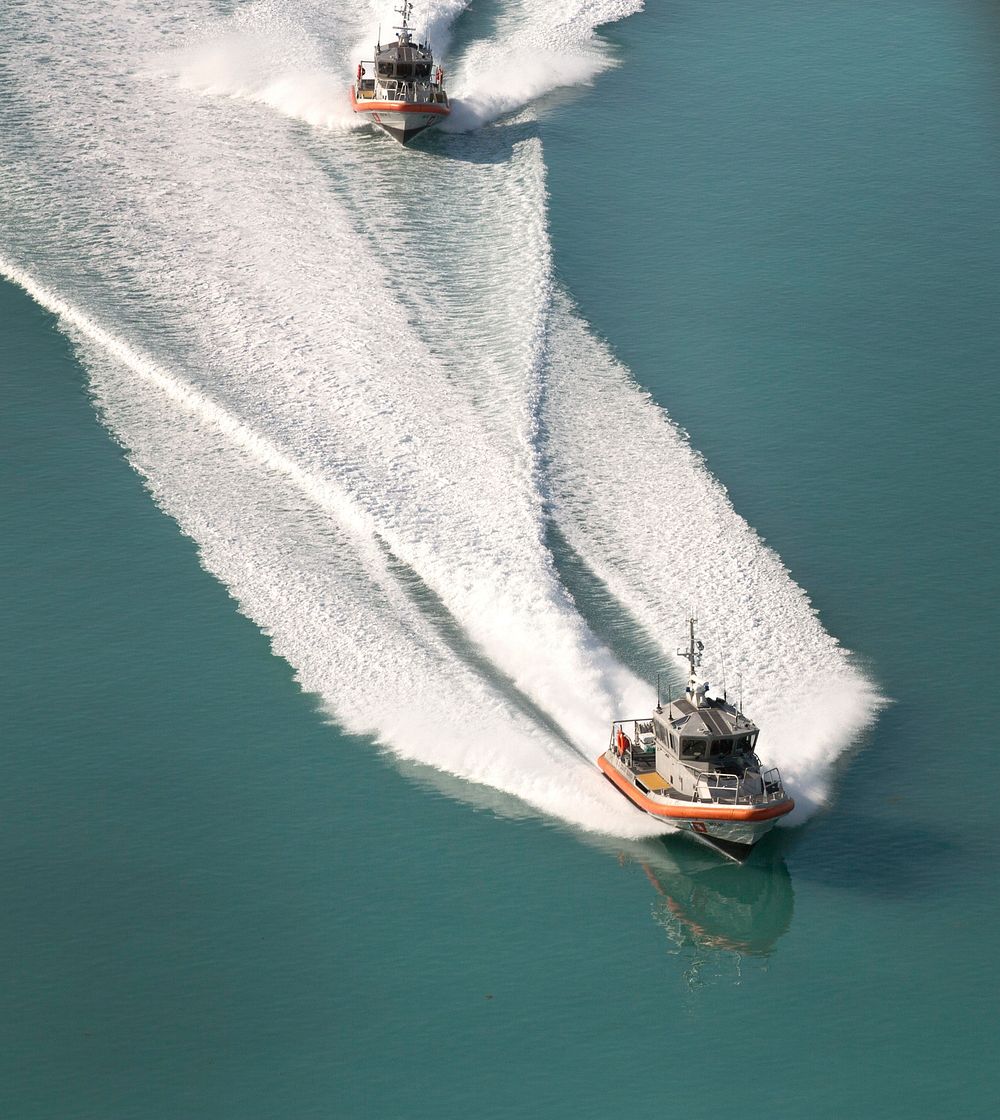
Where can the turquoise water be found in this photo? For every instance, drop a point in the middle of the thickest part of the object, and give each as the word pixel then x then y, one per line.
pixel 220 905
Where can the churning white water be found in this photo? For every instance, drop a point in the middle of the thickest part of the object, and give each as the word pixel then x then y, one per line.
pixel 348 375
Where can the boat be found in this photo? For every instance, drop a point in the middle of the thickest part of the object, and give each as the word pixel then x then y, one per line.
pixel 400 89
pixel 693 764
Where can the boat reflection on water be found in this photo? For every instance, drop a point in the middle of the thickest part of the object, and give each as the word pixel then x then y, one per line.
pixel 716 914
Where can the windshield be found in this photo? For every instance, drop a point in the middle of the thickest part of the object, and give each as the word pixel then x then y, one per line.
pixel 693 750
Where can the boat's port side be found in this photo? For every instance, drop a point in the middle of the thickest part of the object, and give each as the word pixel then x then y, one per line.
pixel 667 804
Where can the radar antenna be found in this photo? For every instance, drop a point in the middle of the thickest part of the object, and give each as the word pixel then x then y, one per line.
pixel 405 11
pixel 692 655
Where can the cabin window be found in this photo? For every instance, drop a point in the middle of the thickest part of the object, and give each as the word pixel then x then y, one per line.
pixel 404 69
pixel 424 70
pixel 385 69
pixel 693 749
pixel 660 734
pixel 721 747
pixel 673 742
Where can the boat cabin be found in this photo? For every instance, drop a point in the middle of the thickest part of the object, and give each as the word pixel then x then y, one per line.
pixel 405 63
pixel 403 71
pixel 695 739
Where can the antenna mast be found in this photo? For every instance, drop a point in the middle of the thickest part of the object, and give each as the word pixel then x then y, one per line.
pixel 693 657
pixel 405 11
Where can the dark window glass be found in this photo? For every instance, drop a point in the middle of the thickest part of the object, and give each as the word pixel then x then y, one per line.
pixel 404 70
pixel 693 749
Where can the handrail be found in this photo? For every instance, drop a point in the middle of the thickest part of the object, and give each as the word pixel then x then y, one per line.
pixel 713 785
pixel 719 787
pixel 774 787
pixel 413 92
pixel 731 789
pixel 620 723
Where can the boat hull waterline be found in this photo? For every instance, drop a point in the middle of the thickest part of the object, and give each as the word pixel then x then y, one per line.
pixel 739 825
pixel 400 119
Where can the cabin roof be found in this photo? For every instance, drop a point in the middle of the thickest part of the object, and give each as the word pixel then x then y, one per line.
pixel 403 52
pixel 713 717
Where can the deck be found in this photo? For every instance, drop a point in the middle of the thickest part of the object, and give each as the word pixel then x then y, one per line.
pixel 653 782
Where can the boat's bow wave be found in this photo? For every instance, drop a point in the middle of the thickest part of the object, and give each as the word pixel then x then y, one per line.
pixel 536 48
pixel 301 561
pixel 295 62
pixel 266 53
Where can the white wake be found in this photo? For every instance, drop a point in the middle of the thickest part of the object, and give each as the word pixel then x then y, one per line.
pixel 364 399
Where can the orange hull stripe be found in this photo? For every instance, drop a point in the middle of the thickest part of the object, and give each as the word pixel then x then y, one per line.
pixel 690 812
pixel 397 107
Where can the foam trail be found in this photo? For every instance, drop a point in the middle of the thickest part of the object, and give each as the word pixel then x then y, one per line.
pixel 310 574
pixel 294 61
pixel 325 495
pixel 265 268
pixel 538 48
pixel 271 55
pixel 387 355
pixel 802 688
pixel 265 55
